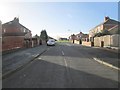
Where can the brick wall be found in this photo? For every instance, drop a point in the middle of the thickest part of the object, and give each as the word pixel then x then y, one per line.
pixel 86 43
pixel 109 40
pixel 108 26
pixel 12 42
pixel 11 27
pixel 115 40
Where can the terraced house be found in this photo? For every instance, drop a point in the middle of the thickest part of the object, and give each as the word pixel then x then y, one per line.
pixel 15 35
pixel 106 25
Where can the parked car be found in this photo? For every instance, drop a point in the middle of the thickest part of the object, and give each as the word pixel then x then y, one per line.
pixel 51 42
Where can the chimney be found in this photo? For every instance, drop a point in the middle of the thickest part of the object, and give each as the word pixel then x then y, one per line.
pixel 16 19
pixel 106 18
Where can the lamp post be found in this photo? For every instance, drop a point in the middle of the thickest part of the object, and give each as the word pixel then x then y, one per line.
pixel 70 34
pixel 80 39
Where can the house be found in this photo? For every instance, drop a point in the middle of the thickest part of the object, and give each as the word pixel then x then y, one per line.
pixel 63 39
pixel 106 25
pixel 114 30
pixel 15 35
pixel 83 37
pixel 79 38
pixel 36 40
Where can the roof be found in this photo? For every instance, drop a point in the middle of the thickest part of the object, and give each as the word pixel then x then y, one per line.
pixel 109 21
pixel 36 36
pixel 115 27
pixel 7 23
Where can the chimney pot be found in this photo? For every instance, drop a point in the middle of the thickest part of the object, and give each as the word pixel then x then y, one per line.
pixel 16 19
pixel 106 18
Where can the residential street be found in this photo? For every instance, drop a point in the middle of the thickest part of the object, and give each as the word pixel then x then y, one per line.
pixel 66 65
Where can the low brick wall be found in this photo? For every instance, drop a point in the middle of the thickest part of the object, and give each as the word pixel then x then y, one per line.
pixel 115 40
pixel 12 42
pixel 86 43
pixel 77 42
pixel 109 40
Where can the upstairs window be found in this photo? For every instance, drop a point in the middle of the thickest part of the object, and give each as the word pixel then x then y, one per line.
pixel 4 30
pixel 24 30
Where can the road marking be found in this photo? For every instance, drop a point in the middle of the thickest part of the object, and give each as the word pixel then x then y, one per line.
pixel 105 63
pixel 40 58
pixel 24 75
pixel 65 62
pixel 35 55
pixel 68 72
pixel 63 53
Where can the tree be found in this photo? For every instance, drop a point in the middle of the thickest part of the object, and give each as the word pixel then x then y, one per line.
pixel 44 35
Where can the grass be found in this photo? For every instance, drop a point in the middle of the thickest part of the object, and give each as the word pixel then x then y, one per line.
pixel 63 41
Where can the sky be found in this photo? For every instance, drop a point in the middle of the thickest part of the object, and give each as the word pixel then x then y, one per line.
pixel 59 19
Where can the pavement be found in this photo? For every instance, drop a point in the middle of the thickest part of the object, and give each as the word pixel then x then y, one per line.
pixel 106 56
pixel 66 66
pixel 13 61
pixel 111 49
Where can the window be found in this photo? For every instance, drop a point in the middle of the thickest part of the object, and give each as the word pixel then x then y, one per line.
pixel 4 30
pixel 24 30
pixel 21 29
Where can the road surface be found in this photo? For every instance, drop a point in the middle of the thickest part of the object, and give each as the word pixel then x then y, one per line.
pixel 64 66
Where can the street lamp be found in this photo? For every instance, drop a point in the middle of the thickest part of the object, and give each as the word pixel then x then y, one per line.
pixel 80 39
pixel 70 34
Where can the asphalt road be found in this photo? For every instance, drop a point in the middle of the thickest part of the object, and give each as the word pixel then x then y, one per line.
pixel 64 66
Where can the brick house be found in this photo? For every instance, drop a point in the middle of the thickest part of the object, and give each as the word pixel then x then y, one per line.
pixel 106 25
pixel 78 38
pixel 84 37
pixel 63 39
pixel 114 30
pixel 36 41
pixel 15 35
